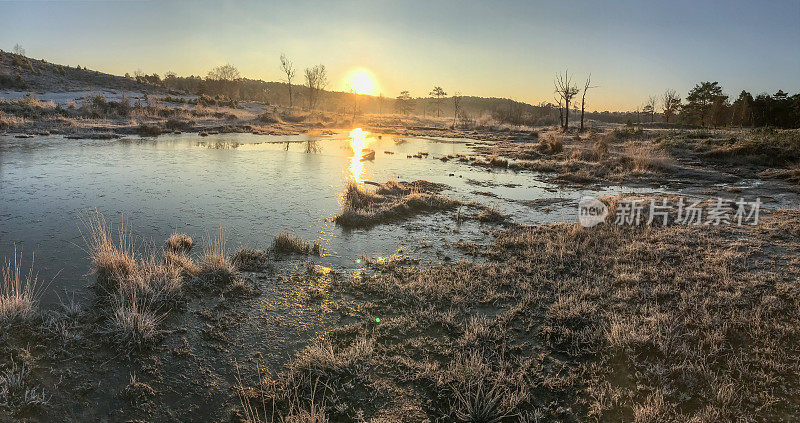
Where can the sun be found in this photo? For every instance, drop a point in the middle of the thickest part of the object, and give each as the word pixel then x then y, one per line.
pixel 362 82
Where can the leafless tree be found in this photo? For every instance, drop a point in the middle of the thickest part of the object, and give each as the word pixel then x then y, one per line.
pixel 19 50
pixel 456 107
pixel 566 91
pixel 650 107
pixel 226 72
pixel 583 97
pixel 316 82
pixel 670 101
pixel 381 100
pixel 288 68
pixel 560 110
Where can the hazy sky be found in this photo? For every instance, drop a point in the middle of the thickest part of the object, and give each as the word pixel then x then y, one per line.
pixel 488 48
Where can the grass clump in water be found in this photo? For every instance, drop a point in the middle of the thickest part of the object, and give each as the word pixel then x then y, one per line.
pixel 111 260
pixel 286 243
pixel 251 260
pixel 391 201
pixel 180 243
pixel 492 215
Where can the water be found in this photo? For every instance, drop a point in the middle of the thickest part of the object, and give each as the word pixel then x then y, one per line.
pixel 251 186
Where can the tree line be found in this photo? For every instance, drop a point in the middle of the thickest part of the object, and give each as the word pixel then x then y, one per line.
pixel 705 105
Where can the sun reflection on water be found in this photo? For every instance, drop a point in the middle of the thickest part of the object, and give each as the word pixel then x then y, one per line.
pixel 358 141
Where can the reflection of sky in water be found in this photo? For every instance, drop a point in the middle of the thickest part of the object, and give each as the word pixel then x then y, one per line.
pixel 251 186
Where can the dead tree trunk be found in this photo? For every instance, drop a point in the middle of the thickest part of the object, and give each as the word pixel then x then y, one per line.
pixel 583 98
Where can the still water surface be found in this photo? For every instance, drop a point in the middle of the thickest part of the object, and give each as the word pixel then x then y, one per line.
pixel 251 186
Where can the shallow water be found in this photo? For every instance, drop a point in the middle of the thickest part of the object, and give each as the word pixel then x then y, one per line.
pixel 251 186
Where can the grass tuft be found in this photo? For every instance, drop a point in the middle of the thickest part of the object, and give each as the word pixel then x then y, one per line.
pixel 112 260
pixel 134 322
pixel 214 267
pixel 18 294
pixel 251 260
pixel 392 201
pixel 179 243
pixel 286 243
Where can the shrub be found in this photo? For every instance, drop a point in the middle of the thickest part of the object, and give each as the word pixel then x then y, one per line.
pixel 550 145
pixel 11 82
pixel 146 130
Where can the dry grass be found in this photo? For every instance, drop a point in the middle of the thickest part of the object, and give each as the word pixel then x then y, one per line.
pixel 214 267
pixel 18 294
pixel 286 243
pixel 135 319
pixel 791 174
pixel 391 201
pixel 646 157
pixel 16 391
pixel 550 144
pixel 763 145
pixel 492 215
pixel 180 261
pixel 179 243
pixel 10 121
pixel 251 260
pixel 565 323
pixel 111 259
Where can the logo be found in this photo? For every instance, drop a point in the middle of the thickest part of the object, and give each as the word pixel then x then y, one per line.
pixel 591 212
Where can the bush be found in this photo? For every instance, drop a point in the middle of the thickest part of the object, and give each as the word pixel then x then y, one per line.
pixel 550 145
pixel 11 82
pixel 146 130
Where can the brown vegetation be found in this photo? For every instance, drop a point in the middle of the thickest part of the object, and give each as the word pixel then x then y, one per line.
pixel 391 201
pixel 607 323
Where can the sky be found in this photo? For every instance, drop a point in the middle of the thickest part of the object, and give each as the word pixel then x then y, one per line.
pixel 513 49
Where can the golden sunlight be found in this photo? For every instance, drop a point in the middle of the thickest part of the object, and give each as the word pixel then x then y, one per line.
pixel 358 142
pixel 362 82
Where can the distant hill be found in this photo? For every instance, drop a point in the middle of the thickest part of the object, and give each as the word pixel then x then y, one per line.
pixel 22 73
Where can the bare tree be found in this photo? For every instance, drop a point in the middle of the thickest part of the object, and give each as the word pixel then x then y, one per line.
pixel 226 72
pixel 583 98
pixel 650 107
pixel 456 107
pixel 438 92
pixel 560 110
pixel 288 68
pixel 670 101
pixel 381 99
pixel 316 82
pixel 19 50
pixel 566 91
